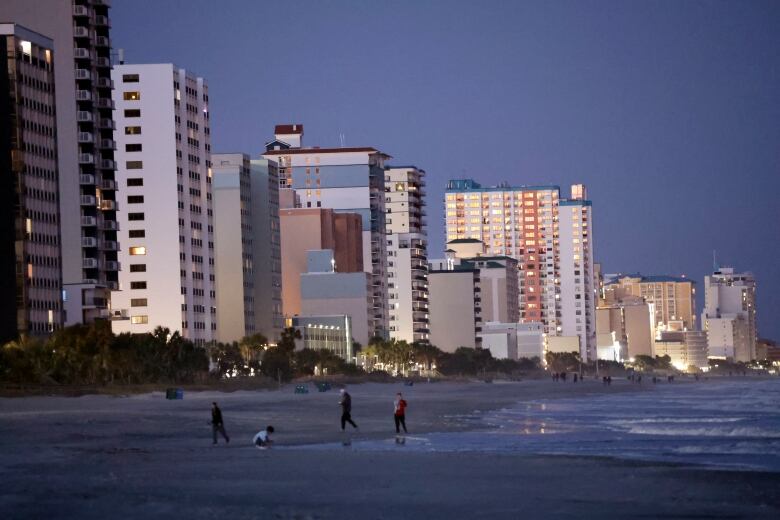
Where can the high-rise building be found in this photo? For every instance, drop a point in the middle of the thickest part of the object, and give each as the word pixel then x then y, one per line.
pixel 455 311
pixel 247 249
pixel 30 268
pixel 164 158
pixel 85 146
pixel 673 297
pixel 347 180
pixel 407 252
pixel 625 328
pixel 550 237
pixel 729 315
pixel 687 348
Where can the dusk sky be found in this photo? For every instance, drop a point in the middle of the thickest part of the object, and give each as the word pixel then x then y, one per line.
pixel 669 111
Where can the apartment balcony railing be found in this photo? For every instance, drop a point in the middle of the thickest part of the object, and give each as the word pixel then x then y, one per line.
pixel 82 54
pixel 109 225
pixel 105 83
pixel 83 74
pixel 86 158
pixel 108 184
pixel 102 41
pixel 88 242
pixel 108 205
pixel 107 124
pixel 84 117
pixel 108 144
pixel 112 265
pixel 109 245
pixel 88 200
pixel 86 179
pixel 89 263
pixel 103 62
pixel 105 103
pixel 88 221
pixel 107 164
pixel 83 95
pixel 86 137
pixel 80 10
pixel 102 21
pixel 80 32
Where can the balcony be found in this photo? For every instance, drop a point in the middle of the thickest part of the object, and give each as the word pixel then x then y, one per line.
pixel 80 10
pixel 114 286
pixel 86 158
pixel 109 225
pixel 105 83
pixel 88 200
pixel 86 137
pixel 105 103
pixel 108 184
pixel 108 144
pixel 103 62
pixel 88 221
pixel 88 242
pixel 109 245
pixel 83 74
pixel 89 281
pixel 87 179
pixel 111 265
pixel 108 205
pixel 107 124
pixel 83 95
pixel 102 21
pixel 84 117
pixel 107 164
pixel 81 54
pixel 102 41
pixel 89 263
pixel 80 32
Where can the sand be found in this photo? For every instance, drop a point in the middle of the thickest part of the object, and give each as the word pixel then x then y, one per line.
pixel 145 456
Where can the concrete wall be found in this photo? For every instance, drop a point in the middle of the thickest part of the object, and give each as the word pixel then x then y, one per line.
pixel 452 312
pixel 338 293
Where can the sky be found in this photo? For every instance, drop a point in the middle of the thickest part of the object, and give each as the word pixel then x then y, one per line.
pixel 669 111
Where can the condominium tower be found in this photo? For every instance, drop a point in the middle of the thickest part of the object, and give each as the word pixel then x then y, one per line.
pixel 551 238
pixel 247 250
pixel 347 180
pixel 729 315
pixel 673 297
pixel 407 253
pixel 30 268
pixel 85 146
pixel 167 229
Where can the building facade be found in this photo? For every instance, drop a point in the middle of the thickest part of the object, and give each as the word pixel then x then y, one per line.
pixel 729 315
pixel 407 252
pixel 550 237
pixel 673 297
pixel 85 147
pixel 30 246
pixel 346 180
pixel 164 157
pixel 455 307
pixel 688 348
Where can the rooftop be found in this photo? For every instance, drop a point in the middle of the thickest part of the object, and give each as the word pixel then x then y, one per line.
pixel 288 129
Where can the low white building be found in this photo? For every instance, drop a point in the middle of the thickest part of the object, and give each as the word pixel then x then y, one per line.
pixel 687 348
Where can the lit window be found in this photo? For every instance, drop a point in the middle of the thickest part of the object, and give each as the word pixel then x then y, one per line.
pixel 131 96
pixel 139 250
pixel 134 165
pixel 139 319
pixel 138 302
pixel 132 130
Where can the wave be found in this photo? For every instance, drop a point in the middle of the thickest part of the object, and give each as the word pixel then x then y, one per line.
pixel 739 431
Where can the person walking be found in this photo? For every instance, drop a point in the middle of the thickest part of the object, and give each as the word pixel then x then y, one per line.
pixel 400 413
pixel 346 410
pixel 216 423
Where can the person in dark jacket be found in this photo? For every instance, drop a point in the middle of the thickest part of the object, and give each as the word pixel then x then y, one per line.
pixel 346 410
pixel 216 423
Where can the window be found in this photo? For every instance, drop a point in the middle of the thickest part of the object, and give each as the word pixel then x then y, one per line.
pixel 138 302
pixel 135 181
pixel 134 165
pixel 136 147
pixel 137 268
pixel 137 233
pixel 140 250
pixel 130 78
pixel 132 130
pixel 132 95
pixel 138 285
pixel 139 319
pixel 135 199
pixel 135 216
pixel 132 112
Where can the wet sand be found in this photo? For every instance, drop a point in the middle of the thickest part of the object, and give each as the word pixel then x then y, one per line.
pixel 145 456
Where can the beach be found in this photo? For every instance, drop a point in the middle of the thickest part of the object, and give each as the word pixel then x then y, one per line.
pixel 143 455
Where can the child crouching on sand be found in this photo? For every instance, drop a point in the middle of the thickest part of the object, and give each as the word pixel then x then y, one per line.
pixel 263 438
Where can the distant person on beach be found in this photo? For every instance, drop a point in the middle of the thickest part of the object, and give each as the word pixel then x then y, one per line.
pixel 263 438
pixel 216 423
pixel 400 413
pixel 346 410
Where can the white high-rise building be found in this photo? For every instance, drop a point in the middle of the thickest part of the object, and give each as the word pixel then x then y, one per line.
pixel 347 180
pixel 729 315
pixel 550 237
pixel 166 223
pixel 407 252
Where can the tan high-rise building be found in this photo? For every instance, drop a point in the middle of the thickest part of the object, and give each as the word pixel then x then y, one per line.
pixel 729 315
pixel 673 298
pixel 308 229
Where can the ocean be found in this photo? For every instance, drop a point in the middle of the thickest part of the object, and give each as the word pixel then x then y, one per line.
pixel 722 424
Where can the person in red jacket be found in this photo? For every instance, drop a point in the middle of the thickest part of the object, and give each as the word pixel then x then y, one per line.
pixel 400 413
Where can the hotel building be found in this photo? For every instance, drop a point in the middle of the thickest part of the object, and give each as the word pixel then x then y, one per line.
pixel 166 227
pixel 729 316
pixel 30 268
pixel 673 298
pixel 550 237
pixel 346 180
pixel 85 146
pixel 407 252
